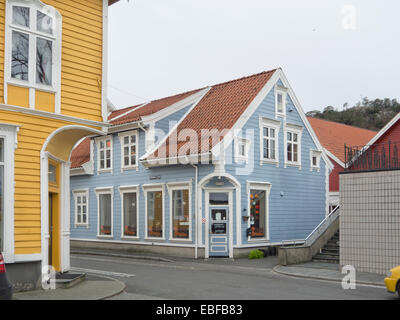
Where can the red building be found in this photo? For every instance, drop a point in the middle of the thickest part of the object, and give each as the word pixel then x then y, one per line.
pixel 334 137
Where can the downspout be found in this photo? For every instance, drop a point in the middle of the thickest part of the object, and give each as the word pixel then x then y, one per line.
pixel 195 210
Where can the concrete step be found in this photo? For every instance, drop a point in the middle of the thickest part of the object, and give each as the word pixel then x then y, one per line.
pixel 327 255
pixel 326 260
pixel 69 280
pixel 330 250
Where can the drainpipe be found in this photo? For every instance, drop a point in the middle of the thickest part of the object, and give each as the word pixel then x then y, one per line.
pixel 195 210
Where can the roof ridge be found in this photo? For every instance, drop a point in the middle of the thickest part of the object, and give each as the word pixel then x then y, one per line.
pixel 343 124
pixel 244 77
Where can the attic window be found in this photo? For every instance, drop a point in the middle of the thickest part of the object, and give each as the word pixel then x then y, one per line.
pixel 280 100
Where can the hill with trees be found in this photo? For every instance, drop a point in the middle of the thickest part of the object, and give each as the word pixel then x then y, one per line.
pixel 368 114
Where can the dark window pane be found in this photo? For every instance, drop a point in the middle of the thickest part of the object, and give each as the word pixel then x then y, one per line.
pixel 105 214
pixel 219 198
pixel 20 56
pixel 130 215
pixel 180 214
pixel 44 61
pixel 258 213
pixel 20 16
pixel 154 214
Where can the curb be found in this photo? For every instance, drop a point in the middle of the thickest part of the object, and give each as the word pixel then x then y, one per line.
pixel 117 255
pixel 298 275
pixel 123 284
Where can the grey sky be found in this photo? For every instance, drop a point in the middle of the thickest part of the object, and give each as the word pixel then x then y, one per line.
pixel 162 47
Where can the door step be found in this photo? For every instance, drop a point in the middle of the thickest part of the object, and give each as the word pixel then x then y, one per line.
pixel 68 280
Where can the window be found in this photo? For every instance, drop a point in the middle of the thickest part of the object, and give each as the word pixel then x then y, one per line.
pixel 104 154
pixel 130 213
pixel 180 210
pixel 242 149
pixel 33 37
pixel 258 213
pixel 280 100
pixel 293 145
pixel 129 150
pixel 219 198
pixel 105 212
pixel 154 200
pixel 315 157
pixel 1 192
pixel 81 207
pixel 258 193
pixel 269 133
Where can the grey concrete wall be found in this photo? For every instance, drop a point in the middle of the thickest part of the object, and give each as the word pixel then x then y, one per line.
pixel 300 254
pixel 370 220
pixel 24 276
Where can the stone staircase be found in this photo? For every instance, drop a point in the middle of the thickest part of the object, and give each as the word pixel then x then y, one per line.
pixel 330 252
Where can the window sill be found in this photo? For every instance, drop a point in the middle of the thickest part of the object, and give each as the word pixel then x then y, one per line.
pixel 293 164
pixel 26 84
pixel 241 159
pixel 253 240
pixel 104 171
pixel 81 225
pixel 129 238
pixel 105 237
pixel 266 161
pixel 130 168
pixel 315 169
pixel 154 239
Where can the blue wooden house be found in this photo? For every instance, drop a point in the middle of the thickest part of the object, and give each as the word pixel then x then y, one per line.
pixel 217 171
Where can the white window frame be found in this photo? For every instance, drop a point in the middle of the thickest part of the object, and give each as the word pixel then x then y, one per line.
pixel 122 191
pixel 292 128
pixel 154 188
pixel 317 154
pixel 136 144
pixel 80 193
pixel 56 38
pixel 101 191
pixel 279 90
pixel 238 143
pixel 104 139
pixel 9 134
pixel 176 186
pixel 271 124
pixel 263 186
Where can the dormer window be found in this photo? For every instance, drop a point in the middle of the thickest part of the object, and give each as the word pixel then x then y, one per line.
pixel 280 100
pixel 33 48
pixel 315 158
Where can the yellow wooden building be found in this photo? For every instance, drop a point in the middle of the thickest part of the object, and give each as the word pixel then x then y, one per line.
pixel 52 93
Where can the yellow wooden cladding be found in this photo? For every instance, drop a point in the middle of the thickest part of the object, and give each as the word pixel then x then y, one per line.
pixel 18 96
pixel 81 97
pixel 81 60
pixel 44 101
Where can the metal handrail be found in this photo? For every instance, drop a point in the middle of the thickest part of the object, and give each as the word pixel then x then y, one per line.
pixel 322 226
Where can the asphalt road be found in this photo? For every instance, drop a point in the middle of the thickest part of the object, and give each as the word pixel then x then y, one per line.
pixel 216 279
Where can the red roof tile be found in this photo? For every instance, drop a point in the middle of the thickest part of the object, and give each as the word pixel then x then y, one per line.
pixel 81 154
pixel 219 109
pixel 151 107
pixel 333 136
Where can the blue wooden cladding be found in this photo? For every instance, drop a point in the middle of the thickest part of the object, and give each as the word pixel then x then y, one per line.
pixel 278 200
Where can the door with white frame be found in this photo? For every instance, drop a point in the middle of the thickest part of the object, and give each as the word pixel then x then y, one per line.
pixel 219 231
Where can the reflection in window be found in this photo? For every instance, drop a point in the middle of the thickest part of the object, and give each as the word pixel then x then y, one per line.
pixel 219 198
pixel 130 214
pixel 154 214
pixel 1 193
pixel 52 173
pixel 20 56
pixel 258 213
pixel 130 152
pixel 105 214
pixel 44 23
pixel 20 16
pixel 44 61
pixel 105 154
pixel 180 214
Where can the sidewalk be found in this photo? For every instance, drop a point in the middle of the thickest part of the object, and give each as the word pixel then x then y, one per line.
pixel 93 288
pixel 329 272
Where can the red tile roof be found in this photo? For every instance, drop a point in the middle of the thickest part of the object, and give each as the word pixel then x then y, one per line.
pixel 151 107
pixel 219 109
pixel 81 154
pixel 333 136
